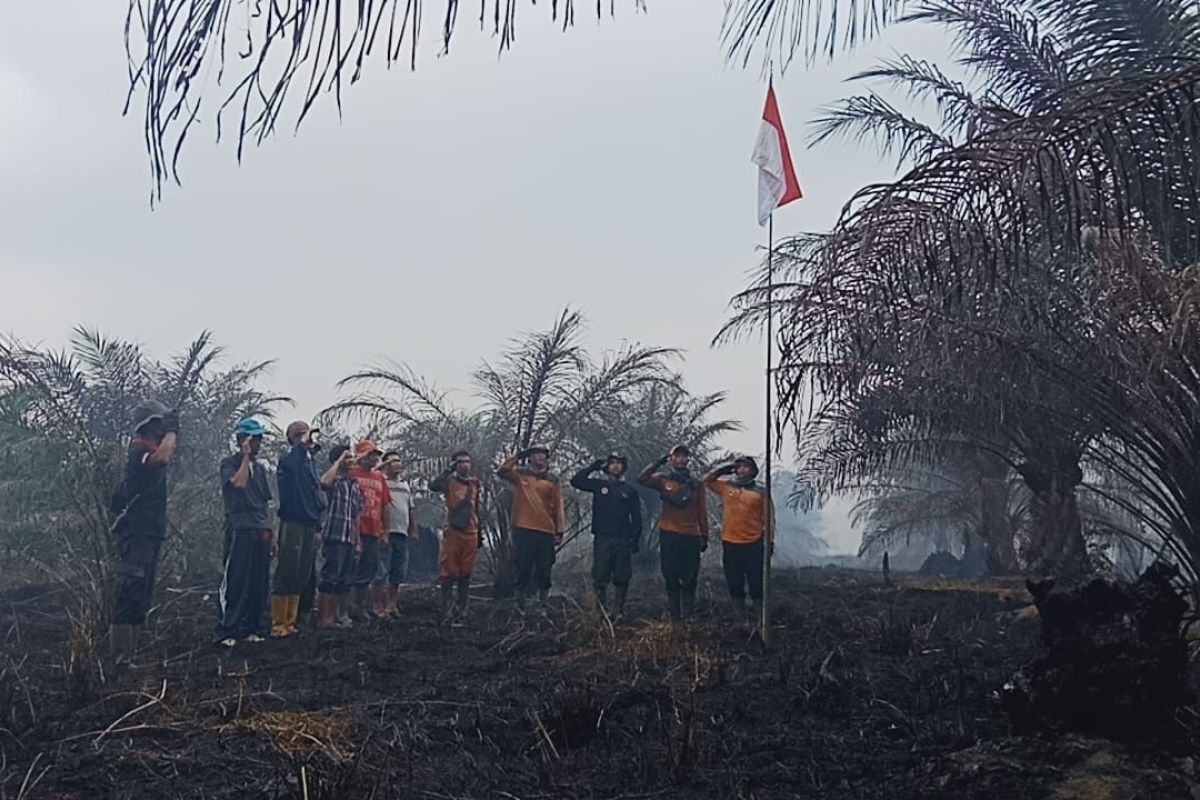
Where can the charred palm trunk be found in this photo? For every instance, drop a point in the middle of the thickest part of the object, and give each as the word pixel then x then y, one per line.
pixel 1056 534
pixel 995 525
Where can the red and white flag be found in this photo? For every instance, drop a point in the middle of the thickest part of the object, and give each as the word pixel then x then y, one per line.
pixel 777 183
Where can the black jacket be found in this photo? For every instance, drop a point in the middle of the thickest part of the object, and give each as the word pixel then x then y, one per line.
pixel 616 507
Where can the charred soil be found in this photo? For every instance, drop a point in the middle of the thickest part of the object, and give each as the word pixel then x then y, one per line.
pixel 867 691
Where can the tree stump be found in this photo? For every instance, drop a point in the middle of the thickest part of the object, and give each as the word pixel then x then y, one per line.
pixel 1114 663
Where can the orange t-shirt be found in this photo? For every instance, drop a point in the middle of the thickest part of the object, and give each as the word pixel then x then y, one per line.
pixel 537 499
pixel 376 497
pixel 742 518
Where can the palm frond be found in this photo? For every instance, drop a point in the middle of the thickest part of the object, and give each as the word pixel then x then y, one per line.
pixel 781 29
pixel 271 59
pixel 870 117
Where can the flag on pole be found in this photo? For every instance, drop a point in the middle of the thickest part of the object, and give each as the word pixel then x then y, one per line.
pixel 777 183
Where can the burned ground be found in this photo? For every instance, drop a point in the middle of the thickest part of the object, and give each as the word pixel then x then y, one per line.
pixel 868 691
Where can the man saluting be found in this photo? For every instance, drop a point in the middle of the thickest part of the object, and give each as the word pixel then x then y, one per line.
pixel 682 527
pixel 537 518
pixel 616 525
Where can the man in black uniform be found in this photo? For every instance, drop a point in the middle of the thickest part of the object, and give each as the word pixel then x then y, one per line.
pixel 140 525
pixel 616 525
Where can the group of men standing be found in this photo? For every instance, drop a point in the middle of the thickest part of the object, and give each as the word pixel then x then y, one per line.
pixel 357 511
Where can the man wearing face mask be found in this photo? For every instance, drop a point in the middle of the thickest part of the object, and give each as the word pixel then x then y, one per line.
pixel 682 528
pixel 300 503
pixel 245 585
pixel 537 518
pixel 744 519
pixel 139 507
pixel 616 526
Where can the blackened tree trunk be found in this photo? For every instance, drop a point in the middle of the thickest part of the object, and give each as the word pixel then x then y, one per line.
pixel 1114 660
pixel 995 524
pixel 1056 543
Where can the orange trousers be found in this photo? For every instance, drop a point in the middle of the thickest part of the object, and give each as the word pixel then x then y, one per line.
pixel 458 553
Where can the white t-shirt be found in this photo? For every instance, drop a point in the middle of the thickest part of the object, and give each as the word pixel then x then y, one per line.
pixel 401 507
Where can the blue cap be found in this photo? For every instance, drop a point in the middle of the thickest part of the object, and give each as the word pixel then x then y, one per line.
pixel 249 427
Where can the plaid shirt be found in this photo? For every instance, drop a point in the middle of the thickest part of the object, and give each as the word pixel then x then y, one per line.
pixel 340 520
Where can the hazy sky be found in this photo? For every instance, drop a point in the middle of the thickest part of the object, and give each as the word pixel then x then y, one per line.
pixel 606 168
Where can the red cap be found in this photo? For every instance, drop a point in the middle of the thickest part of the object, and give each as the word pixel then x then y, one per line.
pixel 366 446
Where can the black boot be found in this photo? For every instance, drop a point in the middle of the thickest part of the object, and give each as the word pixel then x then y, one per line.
pixel 447 599
pixel 687 603
pixel 622 592
pixel 122 640
pixel 674 604
pixel 602 596
pixel 358 608
pixel 464 598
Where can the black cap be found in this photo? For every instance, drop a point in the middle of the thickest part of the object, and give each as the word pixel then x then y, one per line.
pixel 147 411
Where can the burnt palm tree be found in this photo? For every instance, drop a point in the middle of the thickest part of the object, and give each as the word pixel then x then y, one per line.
pixel 1003 289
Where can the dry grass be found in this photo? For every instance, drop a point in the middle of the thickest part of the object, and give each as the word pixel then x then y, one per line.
pixel 1004 588
pixel 301 733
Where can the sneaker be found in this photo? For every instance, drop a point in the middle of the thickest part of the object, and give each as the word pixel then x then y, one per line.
pixel 254 638
pixel 228 643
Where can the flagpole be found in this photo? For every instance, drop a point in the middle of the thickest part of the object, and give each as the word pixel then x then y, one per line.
pixel 768 534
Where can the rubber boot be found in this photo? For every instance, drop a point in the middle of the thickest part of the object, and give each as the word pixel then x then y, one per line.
pixel 293 613
pixel 674 606
pixel 756 620
pixel 358 604
pixel 327 608
pixel 122 640
pixel 687 604
pixel 543 596
pixel 344 619
pixel 447 600
pixel 737 606
pixel 602 596
pixel 622 592
pixel 279 612
pixel 464 598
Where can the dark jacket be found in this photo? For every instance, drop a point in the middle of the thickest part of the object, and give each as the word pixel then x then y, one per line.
pixel 300 497
pixel 248 508
pixel 140 503
pixel 616 506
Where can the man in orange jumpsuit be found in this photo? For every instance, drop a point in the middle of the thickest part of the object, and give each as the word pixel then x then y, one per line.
pixel 461 538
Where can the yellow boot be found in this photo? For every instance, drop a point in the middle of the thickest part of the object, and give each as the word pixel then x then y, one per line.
pixel 279 610
pixel 293 612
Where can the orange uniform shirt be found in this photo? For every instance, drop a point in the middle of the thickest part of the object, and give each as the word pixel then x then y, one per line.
pixel 537 499
pixel 455 491
pixel 742 520
pixel 691 519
